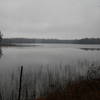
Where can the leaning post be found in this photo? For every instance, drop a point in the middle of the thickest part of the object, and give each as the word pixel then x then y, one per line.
pixel 20 83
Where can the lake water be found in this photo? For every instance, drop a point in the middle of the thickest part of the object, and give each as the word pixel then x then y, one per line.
pixel 43 54
pixel 47 54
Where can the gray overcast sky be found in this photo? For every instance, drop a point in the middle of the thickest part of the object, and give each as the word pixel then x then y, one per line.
pixel 50 18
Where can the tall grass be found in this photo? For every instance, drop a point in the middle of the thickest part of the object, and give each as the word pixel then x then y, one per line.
pixel 41 82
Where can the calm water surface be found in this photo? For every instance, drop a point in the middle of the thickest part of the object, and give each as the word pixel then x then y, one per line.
pixel 52 54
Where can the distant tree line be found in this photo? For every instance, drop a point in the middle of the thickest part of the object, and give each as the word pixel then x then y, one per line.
pixel 89 41
pixel 26 40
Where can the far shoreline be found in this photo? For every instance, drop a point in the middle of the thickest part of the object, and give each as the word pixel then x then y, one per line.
pixel 84 41
pixel 16 45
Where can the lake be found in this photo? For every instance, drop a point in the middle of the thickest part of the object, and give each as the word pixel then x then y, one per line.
pixel 47 54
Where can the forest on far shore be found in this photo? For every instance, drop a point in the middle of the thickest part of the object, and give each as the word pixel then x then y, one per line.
pixel 33 40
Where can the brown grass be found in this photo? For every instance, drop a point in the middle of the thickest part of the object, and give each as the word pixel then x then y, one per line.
pixel 83 90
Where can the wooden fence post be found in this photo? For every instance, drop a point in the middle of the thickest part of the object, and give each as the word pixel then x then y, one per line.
pixel 20 83
pixel 0 96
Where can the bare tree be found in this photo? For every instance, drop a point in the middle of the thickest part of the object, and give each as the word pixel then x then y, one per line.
pixel 0 36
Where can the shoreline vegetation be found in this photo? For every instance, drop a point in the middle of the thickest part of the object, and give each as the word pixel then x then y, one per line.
pixel 13 41
pixel 16 45
pixel 53 84
pixel 26 42
pixel 82 90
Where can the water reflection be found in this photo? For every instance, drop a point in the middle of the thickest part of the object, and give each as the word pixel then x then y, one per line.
pixel 91 49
